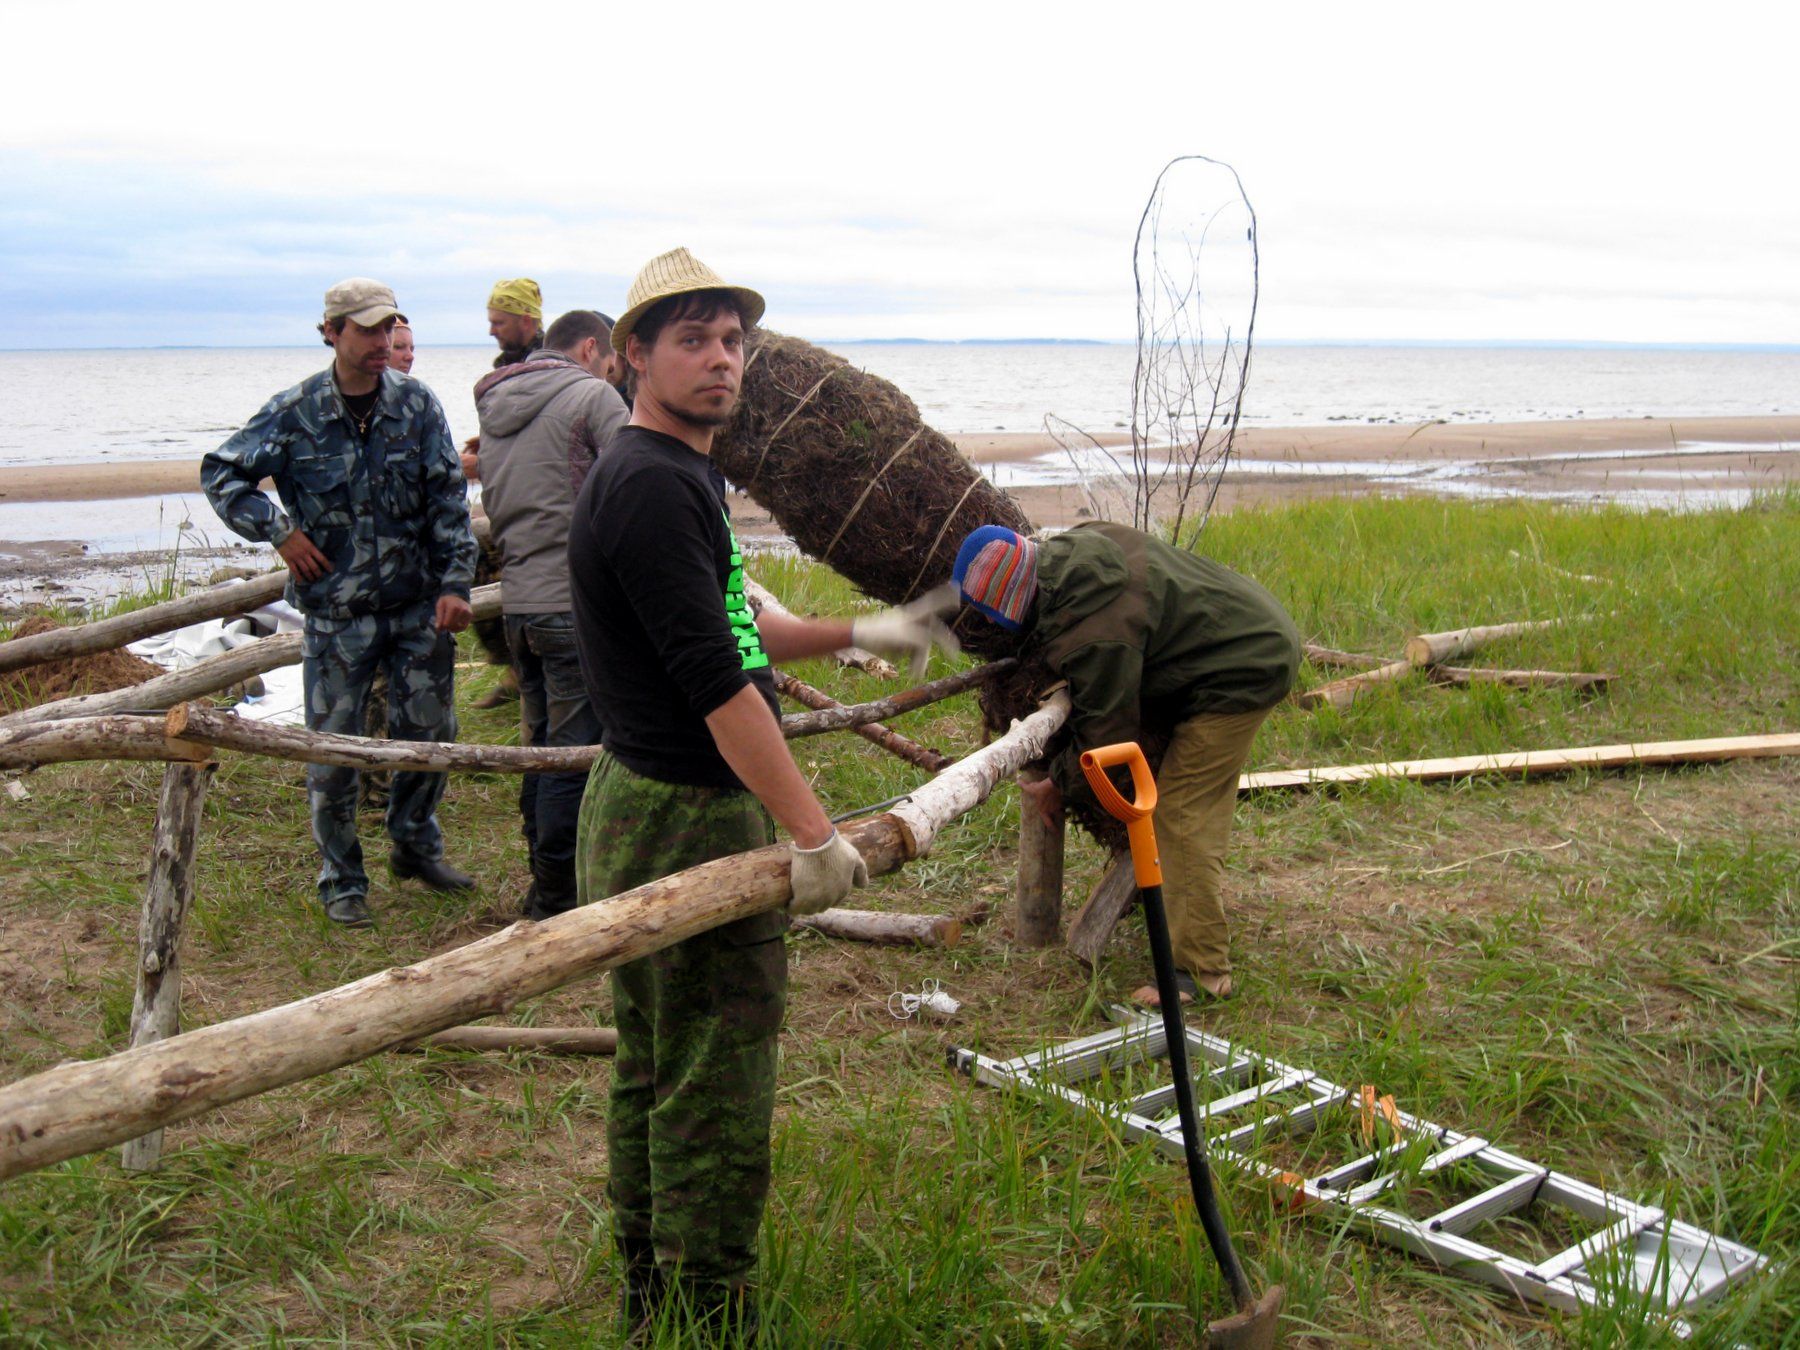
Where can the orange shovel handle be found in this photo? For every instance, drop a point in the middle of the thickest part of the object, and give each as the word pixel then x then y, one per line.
pixel 1137 814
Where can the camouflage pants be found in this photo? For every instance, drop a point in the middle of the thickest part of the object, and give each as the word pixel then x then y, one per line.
pixel 693 1088
pixel 342 657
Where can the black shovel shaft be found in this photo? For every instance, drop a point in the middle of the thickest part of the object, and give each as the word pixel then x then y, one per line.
pixel 1175 1031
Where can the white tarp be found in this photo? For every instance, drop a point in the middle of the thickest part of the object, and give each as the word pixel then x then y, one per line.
pixel 282 701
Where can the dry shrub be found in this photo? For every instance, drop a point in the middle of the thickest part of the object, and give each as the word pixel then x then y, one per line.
pixel 68 678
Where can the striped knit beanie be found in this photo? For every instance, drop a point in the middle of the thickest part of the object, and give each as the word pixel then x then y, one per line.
pixel 997 571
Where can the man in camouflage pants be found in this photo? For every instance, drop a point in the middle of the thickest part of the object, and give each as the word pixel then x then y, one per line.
pixel 694 767
pixel 375 531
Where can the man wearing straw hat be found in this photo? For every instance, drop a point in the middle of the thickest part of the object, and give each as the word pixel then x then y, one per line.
pixel 694 767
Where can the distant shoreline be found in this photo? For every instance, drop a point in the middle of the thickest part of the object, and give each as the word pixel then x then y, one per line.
pixel 1345 443
pixel 1414 344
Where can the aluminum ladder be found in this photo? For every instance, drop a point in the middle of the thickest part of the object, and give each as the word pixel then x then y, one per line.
pixel 1251 1104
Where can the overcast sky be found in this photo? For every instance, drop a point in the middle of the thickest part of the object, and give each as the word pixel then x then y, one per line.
pixel 198 174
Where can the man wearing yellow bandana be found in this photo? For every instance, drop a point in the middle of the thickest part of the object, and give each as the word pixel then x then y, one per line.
pixel 515 319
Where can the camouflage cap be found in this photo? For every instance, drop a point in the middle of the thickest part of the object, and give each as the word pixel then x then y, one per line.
pixel 361 300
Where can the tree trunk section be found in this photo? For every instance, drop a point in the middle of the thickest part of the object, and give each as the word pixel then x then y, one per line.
pixel 156 1008
pixel 79 1107
pixel 1430 649
pixel 1093 927
pixel 885 930
pixel 1038 892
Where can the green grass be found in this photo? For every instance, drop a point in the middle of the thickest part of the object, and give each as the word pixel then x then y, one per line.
pixel 1600 972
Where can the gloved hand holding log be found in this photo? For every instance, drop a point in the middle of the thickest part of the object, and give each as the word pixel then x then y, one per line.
pixel 912 630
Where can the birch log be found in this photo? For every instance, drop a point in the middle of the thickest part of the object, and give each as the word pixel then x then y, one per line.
pixel 547 1040
pixel 874 732
pixel 886 930
pixel 1430 649
pixel 1093 927
pixel 1342 693
pixel 870 664
pixel 79 1107
pixel 116 737
pixel 1520 679
pixel 1330 656
pixel 203 677
pixel 156 1006
pixel 1038 890
pixel 105 635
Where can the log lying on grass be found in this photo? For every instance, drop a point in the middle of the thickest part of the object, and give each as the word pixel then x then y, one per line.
pixel 1342 693
pixel 1593 681
pixel 870 664
pixel 546 1040
pixel 886 930
pixel 874 732
pixel 1430 649
pixel 1527 763
pixel 203 677
pixel 105 635
pixel 79 1107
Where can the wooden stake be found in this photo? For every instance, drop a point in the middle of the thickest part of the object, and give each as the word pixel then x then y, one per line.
pixel 1093 927
pixel 1038 897
pixel 105 635
pixel 78 1107
pixel 156 1007
pixel 886 930
pixel 887 738
pixel 547 1040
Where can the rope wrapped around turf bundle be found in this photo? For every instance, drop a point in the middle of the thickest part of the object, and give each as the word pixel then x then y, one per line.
pixel 846 466
pixel 842 461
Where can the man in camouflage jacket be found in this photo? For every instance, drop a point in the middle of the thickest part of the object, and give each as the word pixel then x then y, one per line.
pixel 374 526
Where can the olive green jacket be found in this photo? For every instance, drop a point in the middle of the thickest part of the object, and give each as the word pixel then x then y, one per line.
pixel 1149 635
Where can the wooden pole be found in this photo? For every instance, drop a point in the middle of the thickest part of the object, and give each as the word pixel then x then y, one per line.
pixel 907 700
pixel 156 1007
pixel 874 732
pixel 547 1040
pixel 882 929
pixel 1038 891
pixel 762 598
pixel 1342 693
pixel 1528 763
pixel 1520 679
pixel 105 635
pixel 78 1107
pixel 203 677
pixel 1430 649
pixel 1093 927
pixel 115 737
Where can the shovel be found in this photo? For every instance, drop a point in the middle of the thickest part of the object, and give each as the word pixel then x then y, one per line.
pixel 1256 1324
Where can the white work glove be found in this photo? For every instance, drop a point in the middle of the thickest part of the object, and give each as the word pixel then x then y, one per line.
pixel 826 874
pixel 912 628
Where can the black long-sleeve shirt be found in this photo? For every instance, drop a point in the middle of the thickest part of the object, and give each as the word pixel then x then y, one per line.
pixel 666 636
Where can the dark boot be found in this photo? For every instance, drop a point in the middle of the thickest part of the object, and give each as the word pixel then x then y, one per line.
pixel 552 891
pixel 641 1300
pixel 434 872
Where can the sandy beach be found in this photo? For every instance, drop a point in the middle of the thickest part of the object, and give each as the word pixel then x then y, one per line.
pixel 1646 461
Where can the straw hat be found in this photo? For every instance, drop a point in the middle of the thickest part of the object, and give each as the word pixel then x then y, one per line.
pixel 677 272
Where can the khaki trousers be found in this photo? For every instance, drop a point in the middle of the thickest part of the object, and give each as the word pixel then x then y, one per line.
pixel 1196 796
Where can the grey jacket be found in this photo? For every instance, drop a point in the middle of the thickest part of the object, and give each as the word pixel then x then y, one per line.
pixel 543 422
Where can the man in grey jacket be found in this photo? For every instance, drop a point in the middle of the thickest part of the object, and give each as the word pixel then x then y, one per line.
pixel 543 422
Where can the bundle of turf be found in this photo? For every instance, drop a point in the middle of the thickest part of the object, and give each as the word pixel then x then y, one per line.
pixel 843 462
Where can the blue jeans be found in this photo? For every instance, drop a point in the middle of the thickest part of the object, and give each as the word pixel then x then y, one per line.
pixel 342 657
pixel 553 710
